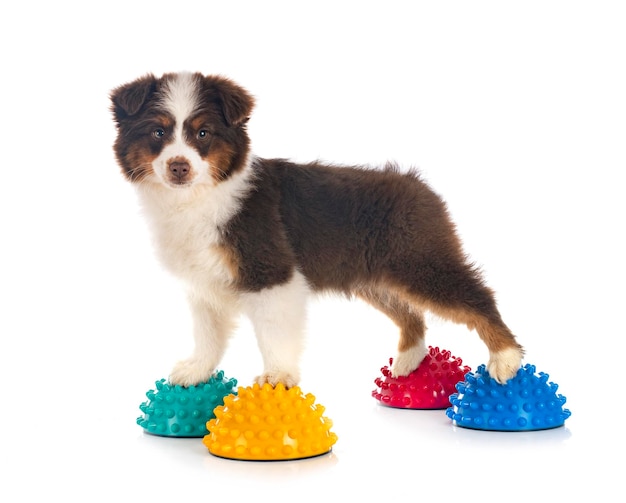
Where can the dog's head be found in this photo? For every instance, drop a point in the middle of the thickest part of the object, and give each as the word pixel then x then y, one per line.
pixel 182 129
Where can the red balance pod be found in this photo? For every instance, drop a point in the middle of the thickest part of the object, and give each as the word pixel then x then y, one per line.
pixel 429 386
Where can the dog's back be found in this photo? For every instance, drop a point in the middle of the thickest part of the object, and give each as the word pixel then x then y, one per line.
pixel 341 226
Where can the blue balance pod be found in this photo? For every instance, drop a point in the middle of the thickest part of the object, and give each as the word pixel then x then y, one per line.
pixel 525 403
pixel 175 411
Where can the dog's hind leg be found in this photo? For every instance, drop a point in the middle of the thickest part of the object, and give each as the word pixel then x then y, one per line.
pixel 278 315
pixel 457 292
pixel 409 319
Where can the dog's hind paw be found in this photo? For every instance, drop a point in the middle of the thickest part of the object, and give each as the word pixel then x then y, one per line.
pixel 190 372
pixel 273 378
pixel 408 360
pixel 504 364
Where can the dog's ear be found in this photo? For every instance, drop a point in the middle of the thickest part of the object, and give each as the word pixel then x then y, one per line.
pixel 128 99
pixel 236 102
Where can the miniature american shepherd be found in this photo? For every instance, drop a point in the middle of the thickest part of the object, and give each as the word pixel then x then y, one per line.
pixel 256 236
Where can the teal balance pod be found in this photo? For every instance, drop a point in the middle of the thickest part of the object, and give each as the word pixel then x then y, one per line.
pixel 176 411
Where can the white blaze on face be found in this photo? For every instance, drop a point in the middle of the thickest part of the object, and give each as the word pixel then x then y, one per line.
pixel 180 100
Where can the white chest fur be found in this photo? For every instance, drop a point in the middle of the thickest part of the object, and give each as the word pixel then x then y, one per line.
pixel 185 227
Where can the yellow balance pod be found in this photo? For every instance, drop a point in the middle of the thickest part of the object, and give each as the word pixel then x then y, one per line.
pixel 263 423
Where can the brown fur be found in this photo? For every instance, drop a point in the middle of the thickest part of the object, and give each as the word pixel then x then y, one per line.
pixel 382 235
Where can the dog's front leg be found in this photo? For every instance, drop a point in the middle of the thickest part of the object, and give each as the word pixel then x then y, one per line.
pixel 278 315
pixel 212 326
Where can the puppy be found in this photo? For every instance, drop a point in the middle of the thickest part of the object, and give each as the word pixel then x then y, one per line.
pixel 257 236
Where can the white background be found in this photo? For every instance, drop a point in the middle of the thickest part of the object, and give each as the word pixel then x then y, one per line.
pixel 514 111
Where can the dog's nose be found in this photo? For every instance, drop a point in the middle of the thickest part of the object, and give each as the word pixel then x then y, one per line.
pixel 179 169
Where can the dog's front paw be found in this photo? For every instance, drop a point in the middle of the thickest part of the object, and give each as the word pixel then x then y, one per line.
pixel 190 372
pixel 285 378
pixel 504 364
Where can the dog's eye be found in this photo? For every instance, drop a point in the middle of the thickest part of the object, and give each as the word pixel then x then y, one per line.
pixel 158 133
pixel 203 134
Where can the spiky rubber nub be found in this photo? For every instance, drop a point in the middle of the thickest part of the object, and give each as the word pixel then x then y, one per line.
pixel 269 423
pixel 176 411
pixel 427 387
pixel 526 402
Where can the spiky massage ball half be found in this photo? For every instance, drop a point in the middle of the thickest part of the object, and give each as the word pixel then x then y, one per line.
pixel 175 411
pixel 429 386
pixel 263 423
pixel 526 402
